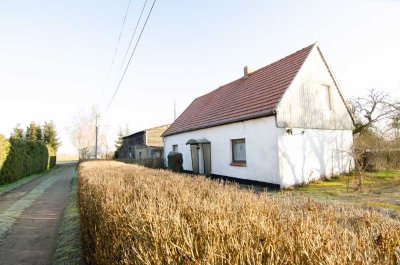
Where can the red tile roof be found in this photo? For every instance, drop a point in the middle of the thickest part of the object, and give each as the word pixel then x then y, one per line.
pixel 256 96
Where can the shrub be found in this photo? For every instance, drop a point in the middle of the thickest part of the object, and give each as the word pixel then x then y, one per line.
pixel 382 159
pixel 133 215
pixel 52 157
pixel 4 150
pixel 175 161
pixel 24 158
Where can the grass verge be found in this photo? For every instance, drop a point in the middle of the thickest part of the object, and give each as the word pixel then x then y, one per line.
pixel 10 186
pixel 69 248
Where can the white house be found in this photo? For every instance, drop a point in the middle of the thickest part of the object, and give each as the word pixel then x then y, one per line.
pixel 286 123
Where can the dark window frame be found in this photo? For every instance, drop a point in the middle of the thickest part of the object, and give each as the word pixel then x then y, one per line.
pixel 173 148
pixel 234 161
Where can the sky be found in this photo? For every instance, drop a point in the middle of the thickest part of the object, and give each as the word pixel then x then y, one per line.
pixel 55 56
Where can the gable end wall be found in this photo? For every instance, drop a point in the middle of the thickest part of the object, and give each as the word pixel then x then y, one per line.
pixel 303 105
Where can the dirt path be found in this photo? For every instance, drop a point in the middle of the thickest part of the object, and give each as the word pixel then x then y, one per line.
pixel 30 217
pixel 9 197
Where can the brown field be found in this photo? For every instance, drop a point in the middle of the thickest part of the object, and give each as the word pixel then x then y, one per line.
pixel 134 215
pixel 65 158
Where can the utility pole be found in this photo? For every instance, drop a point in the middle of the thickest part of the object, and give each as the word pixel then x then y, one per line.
pixel 97 132
pixel 174 110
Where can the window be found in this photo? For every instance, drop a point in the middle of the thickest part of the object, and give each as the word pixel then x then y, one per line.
pixel 175 148
pixel 326 97
pixel 130 151
pixel 239 152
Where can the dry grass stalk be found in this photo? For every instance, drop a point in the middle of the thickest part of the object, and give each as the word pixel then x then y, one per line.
pixel 134 215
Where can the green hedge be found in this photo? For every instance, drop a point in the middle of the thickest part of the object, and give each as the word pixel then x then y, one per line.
pixel 4 149
pixel 23 158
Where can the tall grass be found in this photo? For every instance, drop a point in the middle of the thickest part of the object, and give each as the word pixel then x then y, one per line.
pixel 134 215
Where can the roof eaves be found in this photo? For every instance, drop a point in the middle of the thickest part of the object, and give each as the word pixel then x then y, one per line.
pixel 224 122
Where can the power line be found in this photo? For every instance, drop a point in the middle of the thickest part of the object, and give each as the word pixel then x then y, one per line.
pixel 130 58
pixel 132 38
pixel 119 40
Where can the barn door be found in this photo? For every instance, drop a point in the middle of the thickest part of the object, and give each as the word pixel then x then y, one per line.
pixel 194 149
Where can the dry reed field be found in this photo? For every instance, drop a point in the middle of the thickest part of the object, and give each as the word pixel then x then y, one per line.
pixel 134 215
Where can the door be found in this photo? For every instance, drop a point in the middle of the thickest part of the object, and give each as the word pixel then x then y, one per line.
pixel 194 149
pixel 207 159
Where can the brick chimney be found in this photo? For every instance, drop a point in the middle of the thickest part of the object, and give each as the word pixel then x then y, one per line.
pixel 248 71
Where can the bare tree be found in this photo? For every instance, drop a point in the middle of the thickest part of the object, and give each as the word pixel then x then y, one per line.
pixel 376 130
pixel 83 133
pixel 371 110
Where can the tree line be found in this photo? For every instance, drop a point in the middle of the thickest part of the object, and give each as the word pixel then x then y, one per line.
pixel 46 134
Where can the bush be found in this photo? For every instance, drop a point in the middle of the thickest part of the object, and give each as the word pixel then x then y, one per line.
pixel 385 159
pixel 134 215
pixel 52 157
pixel 23 158
pixel 4 149
pixel 175 161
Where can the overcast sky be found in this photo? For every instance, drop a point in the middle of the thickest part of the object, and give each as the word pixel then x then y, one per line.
pixel 55 55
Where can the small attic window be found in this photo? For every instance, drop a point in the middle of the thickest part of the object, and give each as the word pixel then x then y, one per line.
pixel 174 148
pixel 326 97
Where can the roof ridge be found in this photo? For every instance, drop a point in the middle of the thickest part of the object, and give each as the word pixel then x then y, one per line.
pixel 144 130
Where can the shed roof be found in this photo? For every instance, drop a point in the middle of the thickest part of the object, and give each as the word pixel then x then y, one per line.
pixel 145 130
pixel 254 96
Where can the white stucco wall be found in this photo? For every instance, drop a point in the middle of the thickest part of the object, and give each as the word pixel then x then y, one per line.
pixel 316 153
pixel 261 149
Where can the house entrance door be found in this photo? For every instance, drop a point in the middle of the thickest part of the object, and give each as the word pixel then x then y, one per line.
pixel 207 159
pixel 194 150
pixel 201 156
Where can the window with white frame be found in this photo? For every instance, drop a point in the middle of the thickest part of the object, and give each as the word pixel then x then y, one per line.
pixel 326 97
pixel 238 151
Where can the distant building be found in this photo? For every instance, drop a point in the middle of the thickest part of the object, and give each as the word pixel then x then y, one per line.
pixel 144 144
pixel 286 123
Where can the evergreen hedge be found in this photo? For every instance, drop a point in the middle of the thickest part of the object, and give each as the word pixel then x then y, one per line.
pixel 20 158
pixel 4 149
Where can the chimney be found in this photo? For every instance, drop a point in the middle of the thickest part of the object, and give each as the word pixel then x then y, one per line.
pixel 248 71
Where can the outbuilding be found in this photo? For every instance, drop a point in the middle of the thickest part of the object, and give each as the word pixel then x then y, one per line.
pixel 143 144
pixel 286 123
